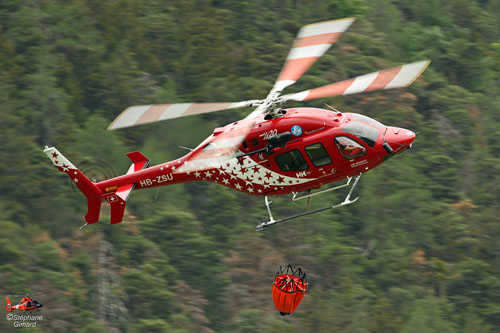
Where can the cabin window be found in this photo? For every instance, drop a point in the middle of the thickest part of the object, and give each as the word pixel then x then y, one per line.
pixel 291 161
pixel 349 148
pixel 318 154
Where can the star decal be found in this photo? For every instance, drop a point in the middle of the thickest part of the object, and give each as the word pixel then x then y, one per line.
pixel 173 168
pixel 197 174
pixel 54 155
pixel 75 173
pixel 259 190
pixel 281 179
pixel 255 169
pixel 238 186
pixel 56 162
pixel 250 190
pixel 76 180
pixel 208 174
pixel 65 167
pixel 268 175
pixel 225 181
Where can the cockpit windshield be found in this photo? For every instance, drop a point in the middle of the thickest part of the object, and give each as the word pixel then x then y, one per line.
pixel 368 120
pixel 364 132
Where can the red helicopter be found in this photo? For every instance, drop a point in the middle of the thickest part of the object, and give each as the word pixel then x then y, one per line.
pixel 273 151
pixel 26 304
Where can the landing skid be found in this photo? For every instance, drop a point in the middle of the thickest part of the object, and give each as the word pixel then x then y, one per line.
pixel 347 201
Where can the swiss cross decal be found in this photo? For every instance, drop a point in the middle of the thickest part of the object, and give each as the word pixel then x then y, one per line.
pixel 112 198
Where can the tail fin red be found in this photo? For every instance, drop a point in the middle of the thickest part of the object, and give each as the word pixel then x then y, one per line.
pixel 8 306
pixel 118 199
pixel 116 196
pixel 91 191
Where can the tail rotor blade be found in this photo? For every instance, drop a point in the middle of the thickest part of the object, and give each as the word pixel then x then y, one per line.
pixel 143 114
pixel 311 43
pixel 396 77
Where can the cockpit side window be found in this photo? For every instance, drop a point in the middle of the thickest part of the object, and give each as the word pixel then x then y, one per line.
pixel 318 154
pixel 291 161
pixel 349 148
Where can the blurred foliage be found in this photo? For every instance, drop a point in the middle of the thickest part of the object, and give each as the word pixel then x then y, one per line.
pixel 418 253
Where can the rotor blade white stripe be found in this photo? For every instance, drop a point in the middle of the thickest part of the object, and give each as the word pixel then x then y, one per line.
pixel 325 27
pixel 174 111
pixel 130 116
pixel 257 112
pixel 300 96
pixel 408 74
pixel 280 85
pixel 308 51
pixel 361 83
pixel 242 104
pixel 224 143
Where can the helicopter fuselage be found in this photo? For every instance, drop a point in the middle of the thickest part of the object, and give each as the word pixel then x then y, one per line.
pixel 317 147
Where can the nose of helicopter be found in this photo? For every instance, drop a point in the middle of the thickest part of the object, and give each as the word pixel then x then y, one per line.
pixel 398 139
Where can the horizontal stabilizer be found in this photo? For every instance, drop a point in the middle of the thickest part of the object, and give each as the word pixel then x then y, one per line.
pixel 139 161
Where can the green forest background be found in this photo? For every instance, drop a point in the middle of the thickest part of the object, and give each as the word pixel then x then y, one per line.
pixel 419 252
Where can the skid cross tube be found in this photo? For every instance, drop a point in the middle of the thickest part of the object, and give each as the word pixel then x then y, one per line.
pixel 272 221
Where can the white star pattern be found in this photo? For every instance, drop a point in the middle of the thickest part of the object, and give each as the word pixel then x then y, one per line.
pixel 76 180
pixel 244 175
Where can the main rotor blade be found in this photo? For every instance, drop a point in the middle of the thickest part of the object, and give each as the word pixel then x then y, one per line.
pixel 396 77
pixel 219 148
pixel 311 43
pixel 143 114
